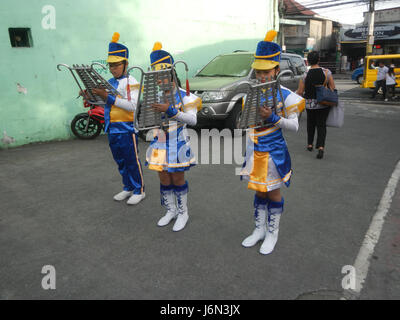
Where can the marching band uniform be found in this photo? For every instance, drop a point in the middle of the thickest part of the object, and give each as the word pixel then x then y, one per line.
pixel 170 150
pixel 119 124
pixel 267 165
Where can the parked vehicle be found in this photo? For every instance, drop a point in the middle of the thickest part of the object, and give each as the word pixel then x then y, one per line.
pixel 358 74
pixel 218 84
pixel 370 72
pixel 88 125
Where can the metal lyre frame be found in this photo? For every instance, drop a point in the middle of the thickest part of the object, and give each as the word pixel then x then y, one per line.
pixel 153 87
pixel 251 118
pixel 91 79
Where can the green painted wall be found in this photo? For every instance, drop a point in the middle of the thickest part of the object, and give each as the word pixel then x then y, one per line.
pixel 194 31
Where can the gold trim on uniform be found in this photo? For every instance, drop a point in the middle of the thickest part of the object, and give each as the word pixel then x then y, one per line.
pixel 120 115
pixel 158 61
pixel 298 107
pixel 197 103
pixel 138 162
pixel 134 86
pixel 258 177
pixel 270 56
pixel 259 172
pixel 158 161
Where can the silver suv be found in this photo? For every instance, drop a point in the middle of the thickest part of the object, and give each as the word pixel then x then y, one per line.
pixel 218 84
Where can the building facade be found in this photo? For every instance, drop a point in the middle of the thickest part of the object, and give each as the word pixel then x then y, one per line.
pixel 38 102
pixel 353 40
pixel 311 32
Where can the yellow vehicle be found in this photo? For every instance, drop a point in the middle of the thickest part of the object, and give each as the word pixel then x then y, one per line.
pixel 370 71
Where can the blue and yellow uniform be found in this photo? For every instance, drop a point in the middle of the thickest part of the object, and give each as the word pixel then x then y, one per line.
pixel 119 122
pixel 268 166
pixel 170 150
pixel 268 163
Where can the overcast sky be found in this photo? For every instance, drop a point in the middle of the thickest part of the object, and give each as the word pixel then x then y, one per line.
pixel 351 13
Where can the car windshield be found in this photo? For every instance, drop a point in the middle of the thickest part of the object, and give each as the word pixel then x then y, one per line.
pixel 235 65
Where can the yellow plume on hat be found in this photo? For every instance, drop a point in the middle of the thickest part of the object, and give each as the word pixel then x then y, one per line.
pixel 115 37
pixel 270 35
pixel 157 46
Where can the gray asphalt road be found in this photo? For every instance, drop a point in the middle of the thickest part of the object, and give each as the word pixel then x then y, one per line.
pixel 56 209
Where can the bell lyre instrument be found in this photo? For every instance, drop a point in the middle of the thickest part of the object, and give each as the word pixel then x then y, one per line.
pixel 260 95
pixel 90 79
pixel 156 86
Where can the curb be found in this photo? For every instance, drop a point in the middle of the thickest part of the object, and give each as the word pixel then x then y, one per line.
pixel 382 103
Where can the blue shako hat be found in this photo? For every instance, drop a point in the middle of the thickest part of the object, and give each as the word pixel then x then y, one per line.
pixel 268 53
pixel 117 52
pixel 160 59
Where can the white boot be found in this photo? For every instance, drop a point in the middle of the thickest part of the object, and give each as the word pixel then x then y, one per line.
pixel 168 202
pixel 181 221
pixel 260 230
pixel 122 195
pixel 273 228
pixel 136 198
pixel 181 203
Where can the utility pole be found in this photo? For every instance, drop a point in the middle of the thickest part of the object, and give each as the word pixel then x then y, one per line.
pixel 281 9
pixel 370 38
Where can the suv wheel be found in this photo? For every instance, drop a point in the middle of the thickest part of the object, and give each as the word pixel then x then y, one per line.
pixel 233 120
pixel 360 79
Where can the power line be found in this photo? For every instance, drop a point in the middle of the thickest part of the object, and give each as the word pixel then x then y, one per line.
pixel 297 10
pixel 355 6
pixel 324 4
pixel 313 3
pixel 318 2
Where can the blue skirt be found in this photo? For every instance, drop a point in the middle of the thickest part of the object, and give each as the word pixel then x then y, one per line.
pixel 170 152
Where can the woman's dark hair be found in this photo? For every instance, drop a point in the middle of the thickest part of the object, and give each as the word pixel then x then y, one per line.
pixel 315 77
pixel 391 71
pixel 313 58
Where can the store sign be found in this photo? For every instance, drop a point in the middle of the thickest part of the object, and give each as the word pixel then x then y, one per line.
pixel 381 32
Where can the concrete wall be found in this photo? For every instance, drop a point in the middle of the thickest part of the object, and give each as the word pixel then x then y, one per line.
pixel 195 31
pixel 327 36
pixel 316 33
pixel 296 36
pixel 320 30
pixel 382 16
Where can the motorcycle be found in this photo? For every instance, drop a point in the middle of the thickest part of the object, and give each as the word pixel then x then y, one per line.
pixel 88 125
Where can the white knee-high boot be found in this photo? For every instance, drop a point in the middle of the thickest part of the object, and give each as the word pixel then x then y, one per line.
pixel 181 193
pixel 275 210
pixel 260 213
pixel 168 202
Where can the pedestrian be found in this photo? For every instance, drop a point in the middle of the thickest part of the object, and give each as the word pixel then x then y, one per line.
pixel 119 123
pixel 381 79
pixel 391 82
pixel 268 166
pixel 169 153
pixel 316 113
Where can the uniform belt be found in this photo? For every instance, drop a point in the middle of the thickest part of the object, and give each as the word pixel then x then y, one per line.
pixel 265 127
